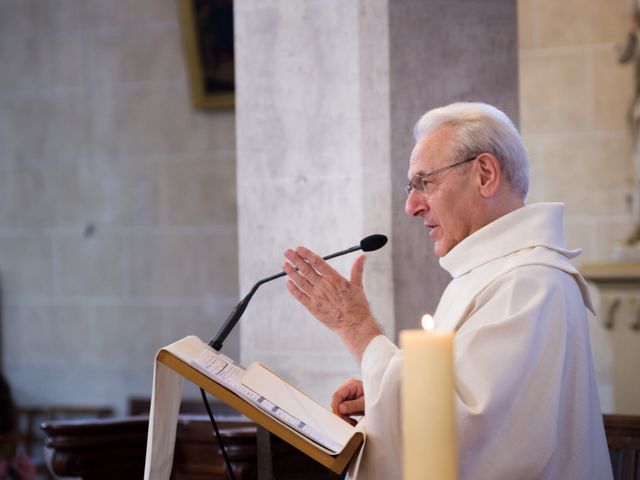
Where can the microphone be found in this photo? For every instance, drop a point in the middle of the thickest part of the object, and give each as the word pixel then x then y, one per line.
pixel 367 244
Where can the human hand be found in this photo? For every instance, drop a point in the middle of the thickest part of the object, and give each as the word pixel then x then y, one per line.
pixel 338 303
pixel 348 400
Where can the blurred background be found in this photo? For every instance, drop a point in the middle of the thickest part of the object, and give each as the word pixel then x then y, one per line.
pixel 119 201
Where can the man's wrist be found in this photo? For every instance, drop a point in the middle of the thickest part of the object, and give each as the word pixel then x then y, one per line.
pixel 357 337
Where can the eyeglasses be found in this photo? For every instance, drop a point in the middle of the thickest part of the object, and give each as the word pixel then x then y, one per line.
pixel 420 182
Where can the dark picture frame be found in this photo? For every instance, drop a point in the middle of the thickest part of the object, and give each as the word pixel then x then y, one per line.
pixel 207 32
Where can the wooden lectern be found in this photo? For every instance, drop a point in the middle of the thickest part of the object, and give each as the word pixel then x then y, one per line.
pixel 336 463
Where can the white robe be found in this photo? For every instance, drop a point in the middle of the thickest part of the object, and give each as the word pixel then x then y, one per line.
pixel 526 399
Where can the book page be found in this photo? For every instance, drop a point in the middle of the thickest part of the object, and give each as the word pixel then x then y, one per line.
pixel 222 370
pixel 310 413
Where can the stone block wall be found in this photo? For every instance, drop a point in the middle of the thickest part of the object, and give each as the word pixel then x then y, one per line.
pixel 313 153
pixel 574 98
pixel 574 103
pixel 117 200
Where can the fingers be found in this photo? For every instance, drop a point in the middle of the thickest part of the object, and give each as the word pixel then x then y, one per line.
pixel 357 270
pixel 336 400
pixel 318 264
pixel 299 295
pixel 348 400
pixel 298 280
pixel 303 265
pixel 351 390
pixel 306 271
pixel 352 407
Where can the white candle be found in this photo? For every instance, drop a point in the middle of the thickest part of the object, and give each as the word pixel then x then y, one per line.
pixel 428 416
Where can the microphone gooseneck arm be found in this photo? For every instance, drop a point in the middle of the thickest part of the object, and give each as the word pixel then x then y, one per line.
pixel 236 313
pixel 370 243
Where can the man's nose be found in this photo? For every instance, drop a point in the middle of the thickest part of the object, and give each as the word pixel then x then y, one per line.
pixel 415 204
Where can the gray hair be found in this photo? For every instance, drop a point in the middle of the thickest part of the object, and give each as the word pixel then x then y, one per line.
pixel 478 128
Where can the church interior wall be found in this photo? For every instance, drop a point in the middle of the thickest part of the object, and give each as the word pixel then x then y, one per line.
pixel 118 228
pixel 315 81
pixel 574 98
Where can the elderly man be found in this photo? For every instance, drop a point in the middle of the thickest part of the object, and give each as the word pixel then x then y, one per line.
pixel 526 401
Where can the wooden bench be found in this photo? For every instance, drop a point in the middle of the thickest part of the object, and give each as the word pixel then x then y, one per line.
pixel 623 437
pixel 115 448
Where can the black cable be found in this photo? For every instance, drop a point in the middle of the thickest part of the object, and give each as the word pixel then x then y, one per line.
pixel 218 436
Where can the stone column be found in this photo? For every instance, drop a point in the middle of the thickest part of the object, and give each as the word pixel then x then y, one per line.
pixel 327 92
pixel 440 52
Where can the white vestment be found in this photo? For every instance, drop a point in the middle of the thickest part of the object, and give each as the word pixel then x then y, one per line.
pixel 526 399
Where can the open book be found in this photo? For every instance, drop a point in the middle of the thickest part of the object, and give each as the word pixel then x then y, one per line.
pixel 266 391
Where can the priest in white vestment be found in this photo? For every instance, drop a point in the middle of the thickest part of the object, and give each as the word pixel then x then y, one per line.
pixel 525 393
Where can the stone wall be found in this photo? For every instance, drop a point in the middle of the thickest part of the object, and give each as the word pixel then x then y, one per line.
pixel 313 153
pixel 574 101
pixel 574 98
pixel 440 52
pixel 117 200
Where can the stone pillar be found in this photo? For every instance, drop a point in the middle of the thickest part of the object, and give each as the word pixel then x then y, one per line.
pixel 327 93
pixel 313 152
pixel 440 52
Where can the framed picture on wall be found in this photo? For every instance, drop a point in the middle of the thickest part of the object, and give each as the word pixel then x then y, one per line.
pixel 207 32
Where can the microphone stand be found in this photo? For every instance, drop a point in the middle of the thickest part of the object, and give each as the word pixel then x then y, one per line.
pixel 236 313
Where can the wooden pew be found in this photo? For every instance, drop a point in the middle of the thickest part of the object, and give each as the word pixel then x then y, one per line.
pixel 623 437
pixel 115 448
pixel 102 449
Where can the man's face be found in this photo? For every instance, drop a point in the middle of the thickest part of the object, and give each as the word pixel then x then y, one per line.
pixel 450 204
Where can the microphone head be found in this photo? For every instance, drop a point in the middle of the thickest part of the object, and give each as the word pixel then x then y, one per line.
pixel 373 242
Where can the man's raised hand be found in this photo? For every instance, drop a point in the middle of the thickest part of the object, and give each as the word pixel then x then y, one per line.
pixel 338 303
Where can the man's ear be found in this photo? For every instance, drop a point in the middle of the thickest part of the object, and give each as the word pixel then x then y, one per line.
pixel 489 171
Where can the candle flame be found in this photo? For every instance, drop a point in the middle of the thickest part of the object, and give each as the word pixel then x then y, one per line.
pixel 427 322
